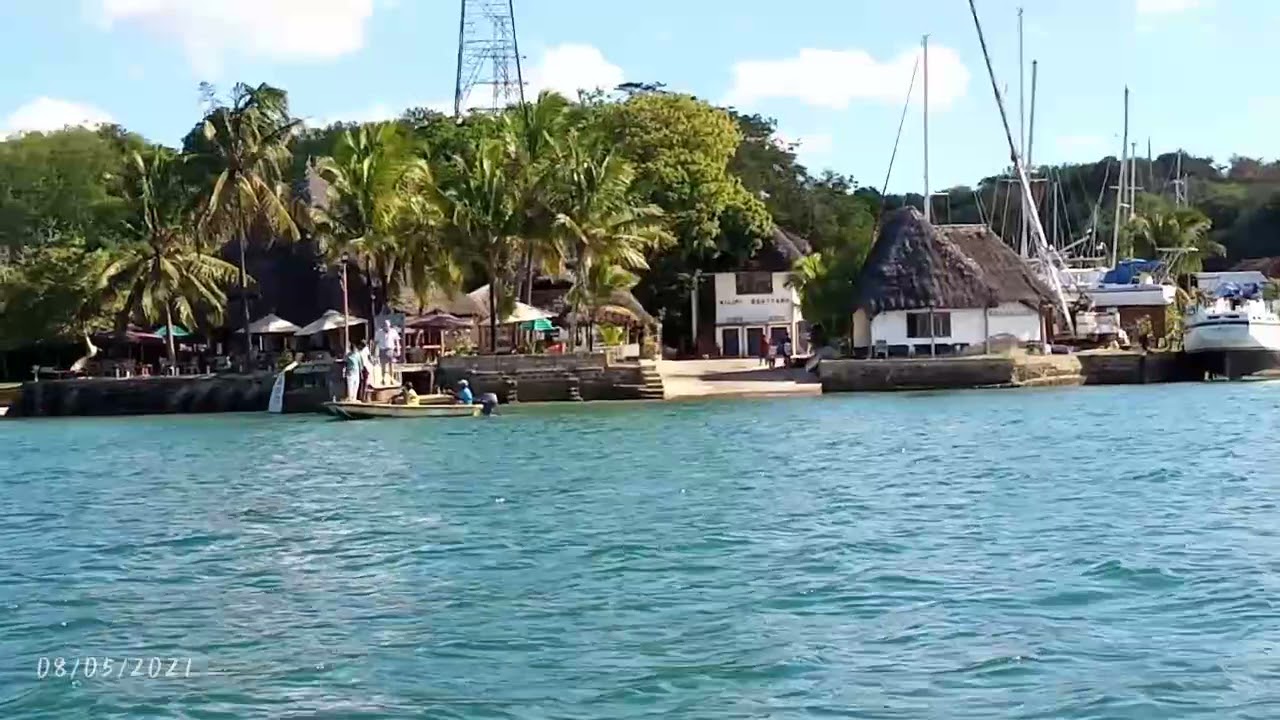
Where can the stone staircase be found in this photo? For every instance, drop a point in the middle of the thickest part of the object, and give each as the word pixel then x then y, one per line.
pixel 652 387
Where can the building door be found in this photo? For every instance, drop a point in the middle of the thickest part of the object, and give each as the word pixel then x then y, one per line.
pixel 754 336
pixel 731 342
pixel 779 333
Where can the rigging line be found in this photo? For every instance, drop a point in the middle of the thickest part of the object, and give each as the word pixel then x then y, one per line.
pixel 982 213
pixel 901 122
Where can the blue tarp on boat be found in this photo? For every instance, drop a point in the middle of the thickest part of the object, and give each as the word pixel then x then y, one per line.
pixel 1246 291
pixel 1126 272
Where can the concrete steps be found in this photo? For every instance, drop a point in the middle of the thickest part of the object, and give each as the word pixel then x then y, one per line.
pixel 653 387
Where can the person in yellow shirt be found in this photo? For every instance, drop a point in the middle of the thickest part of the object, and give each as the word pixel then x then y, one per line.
pixel 408 396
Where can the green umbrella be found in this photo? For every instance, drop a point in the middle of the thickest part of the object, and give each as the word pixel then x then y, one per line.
pixel 539 325
pixel 178 331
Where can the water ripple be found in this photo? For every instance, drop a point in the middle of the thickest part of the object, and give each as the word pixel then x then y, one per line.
pixel 1095 553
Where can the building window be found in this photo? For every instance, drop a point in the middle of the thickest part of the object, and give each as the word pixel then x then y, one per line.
pixel 918 325
pixel 754 283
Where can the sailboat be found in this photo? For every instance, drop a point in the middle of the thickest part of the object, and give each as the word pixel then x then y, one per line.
pixel 1234 333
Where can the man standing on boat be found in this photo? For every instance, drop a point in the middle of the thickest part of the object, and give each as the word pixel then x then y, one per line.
pixel 387 338
pixel 352 371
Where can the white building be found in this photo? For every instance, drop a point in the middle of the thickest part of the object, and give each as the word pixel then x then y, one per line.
pixel 937 290
pixel 759 302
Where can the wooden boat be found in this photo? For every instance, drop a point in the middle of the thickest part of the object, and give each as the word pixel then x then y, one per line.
pixel 362 411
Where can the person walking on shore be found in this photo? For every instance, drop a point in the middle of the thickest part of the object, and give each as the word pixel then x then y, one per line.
pixel 762 352
pixel 771 353
pixel 786 351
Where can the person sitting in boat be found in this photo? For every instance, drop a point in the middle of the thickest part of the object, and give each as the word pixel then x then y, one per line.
pixel 464 393
pixel 407 396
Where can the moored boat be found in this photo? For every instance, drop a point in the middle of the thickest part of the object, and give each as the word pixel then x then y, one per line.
pixel 1235 333
pixel 362 411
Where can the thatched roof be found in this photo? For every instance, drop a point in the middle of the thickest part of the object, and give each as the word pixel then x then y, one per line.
pixel 459 304
pixel 552 297
pixel 1006 271
pixel 779 253
pixel 915 265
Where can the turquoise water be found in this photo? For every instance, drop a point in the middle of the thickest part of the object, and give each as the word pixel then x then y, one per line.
pixel 1083 553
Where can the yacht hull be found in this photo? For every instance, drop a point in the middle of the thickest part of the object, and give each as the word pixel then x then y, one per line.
pixel 1233 347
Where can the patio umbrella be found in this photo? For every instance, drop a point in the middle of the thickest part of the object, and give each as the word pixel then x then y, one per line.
pixel 539 325
pixel 178 332
pixel 331 320
pixel 271 325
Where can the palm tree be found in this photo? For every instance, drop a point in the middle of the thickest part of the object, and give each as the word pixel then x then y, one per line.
pixel 533 135
pixel 603 234
pixel 594 287
pixel 161 272
pixel 365 176
pixel 481 220
pixel 243 145
pixel 1182 233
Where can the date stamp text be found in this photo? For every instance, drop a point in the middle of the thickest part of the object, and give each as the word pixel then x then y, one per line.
pixel 112 668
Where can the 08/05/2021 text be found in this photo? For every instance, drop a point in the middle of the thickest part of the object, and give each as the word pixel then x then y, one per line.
pixel 90 667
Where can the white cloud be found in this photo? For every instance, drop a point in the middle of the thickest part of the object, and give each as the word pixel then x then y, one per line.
pixel 46 114
pixel 812 149
pixel 569 68
pixel 565 69
pixel 1166 7
pixel 284 30
pixel 835 78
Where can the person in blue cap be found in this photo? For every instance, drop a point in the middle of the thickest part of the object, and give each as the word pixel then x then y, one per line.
pixel 464 393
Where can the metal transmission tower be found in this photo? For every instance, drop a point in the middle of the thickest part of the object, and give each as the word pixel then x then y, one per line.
pixel 488 54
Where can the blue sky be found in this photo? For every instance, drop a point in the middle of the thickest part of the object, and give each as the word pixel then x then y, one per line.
pixel 833 72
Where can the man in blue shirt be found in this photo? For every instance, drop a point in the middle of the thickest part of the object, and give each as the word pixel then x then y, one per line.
pixel 464 393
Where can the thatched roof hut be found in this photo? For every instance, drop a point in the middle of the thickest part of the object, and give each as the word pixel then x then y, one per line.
pixel 915 265
pixel 1007 272
pixel 779 253
pixel 622 307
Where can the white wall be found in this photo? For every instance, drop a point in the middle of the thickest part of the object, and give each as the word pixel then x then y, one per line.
pixel 966 326
pixel 1015 319
pixel 782 306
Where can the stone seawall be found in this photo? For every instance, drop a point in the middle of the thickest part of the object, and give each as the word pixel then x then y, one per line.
pixel 915 374
pixel 1103 368
pixel 547 378
pixel 144 396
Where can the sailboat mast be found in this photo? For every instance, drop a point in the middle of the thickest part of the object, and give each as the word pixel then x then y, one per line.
pixel 1022 134
pixel 1133 177
pixel 924 46
pixel 1179 182
pixel 1120 189
pixel 1051 269
pixel 1031 131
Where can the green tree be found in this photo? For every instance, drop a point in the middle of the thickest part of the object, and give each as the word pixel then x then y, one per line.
pixel 481 220
pixel 681 148
pixel 51 293
pixel 242 144
pixel 162 274
pixel 534 135
pixel 1179 235
pixel 63 185
pixel 604 234
pixel 365 179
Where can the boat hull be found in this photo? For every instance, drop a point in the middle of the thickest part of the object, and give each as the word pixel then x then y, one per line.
pixel 1233 347
pixel 366 411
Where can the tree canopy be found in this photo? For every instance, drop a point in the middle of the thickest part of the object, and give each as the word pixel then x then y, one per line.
pixel 643 187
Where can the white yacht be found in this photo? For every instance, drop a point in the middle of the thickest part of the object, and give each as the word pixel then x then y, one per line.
pixel 1235 333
